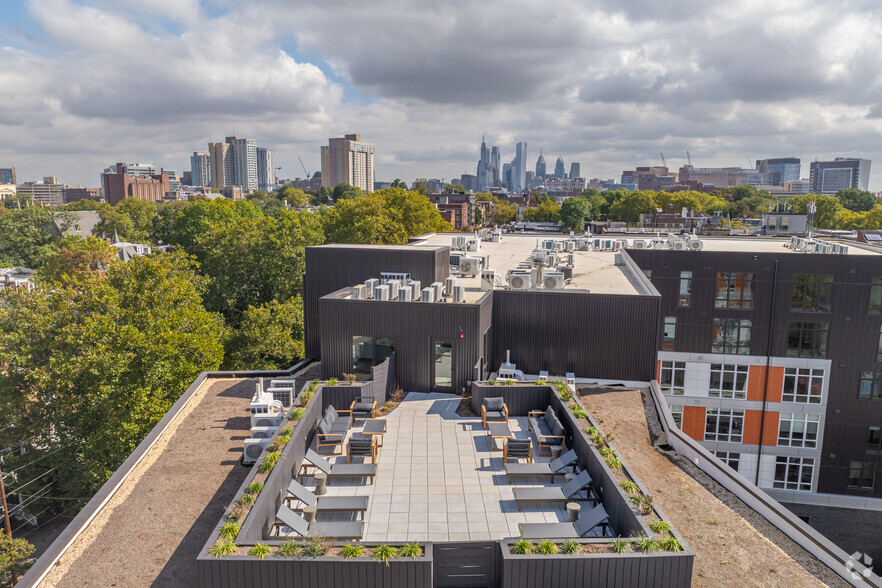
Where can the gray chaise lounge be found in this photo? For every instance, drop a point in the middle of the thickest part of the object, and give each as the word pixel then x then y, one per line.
pixel 337 470
pixel 555 468
pixel 584 524
pixel 566 493
pixel 341 530
pixel 356 504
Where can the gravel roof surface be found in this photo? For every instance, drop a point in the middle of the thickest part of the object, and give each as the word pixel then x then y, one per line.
pixel 729 550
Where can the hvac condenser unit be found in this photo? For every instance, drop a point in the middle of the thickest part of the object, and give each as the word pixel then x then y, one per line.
pixel 415 289
pixel 267 419
pixel 427 295
pixel 253 449
pixel 678 245
pixel 283 394
pixel 519 280
pixel 263 432
pixel 405 295
pixel 459 293
pixel 437 291
pixel 394 286
pixel 370 285
pixel 358 292
pixel 381 293
pixel 695 244
pixel 639 244
pixel 470 265
pixel 554 281
pixel 620 244
pixel 449 284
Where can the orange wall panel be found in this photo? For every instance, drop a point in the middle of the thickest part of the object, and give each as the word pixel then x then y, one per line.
pixel 693 421
pixel 753 425
pixel 756 381
pixel 770 433
pixel 658 371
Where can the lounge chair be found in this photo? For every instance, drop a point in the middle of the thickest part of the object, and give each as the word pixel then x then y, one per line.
pixel 493 409
pixel 337 470
pixel 341 530
pixel 356 504
pixel 332 429
pixel 566 493
pixel 362 447
pixel 584 524
pixel 552 469
pixel 363 407
pixel 547 428
pixel 517 449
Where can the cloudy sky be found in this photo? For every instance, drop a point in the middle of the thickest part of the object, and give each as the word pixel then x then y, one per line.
pixel 609 83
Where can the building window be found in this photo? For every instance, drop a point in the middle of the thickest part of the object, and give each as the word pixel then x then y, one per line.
pixel 728 381
pixel 673 377
pixel 798 430
pixel 731 336
pixel 807 339
pixel 811 293
pixel 794 473
pixel 862 474
pixel 874 439
pixel 730 458
pixel 735 290
pixel 871 386
pixel 875 296
pixel 724 424
pixel 648 273
pixel 670 333
pixel 677 413
pixel 802 385
pixel 685 288
pixel 370 351
pixel 879 346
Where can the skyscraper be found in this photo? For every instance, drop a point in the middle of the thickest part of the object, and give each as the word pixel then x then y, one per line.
pixel 506 176
pixel 219 156
pixel 200 169
pixel 266 173
pixel 781 170
pixel 540 166
pixel 495 165
pixel 348 160
pixel 7 175
pixel 483 172
pixel 559 171
pixel 828 177
pixel 575 170
pixel 519 167
pixel 243 163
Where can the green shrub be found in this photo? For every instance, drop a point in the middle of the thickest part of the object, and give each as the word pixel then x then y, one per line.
pixel 384 553
pixel 670 543
pixel 644 544
pixel 607 452
pixel 305 397
pixel 547 548
pixel 540 382
pixel 350 378
pixel 333 382
pixel 285 431
pixel 578 411
pixel 288 549
pixel 229 530
pixel 629 487
pixel 254 488
pixel 614 463
pixel 645 505
pixel 296 414
pixel 571 547
pixel 260 550
pixel 521 547
pixel 316 545
pixel 411 550
pixel 222 547
pixel 246 499
pixel 660 527
pixel 508 382
pixel 492 381
pixel 621 545
pixel 351 550
pixel 269 462
pixel 563 390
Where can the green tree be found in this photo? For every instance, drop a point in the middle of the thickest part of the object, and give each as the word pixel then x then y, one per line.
pixel 269 337
pixel 827 208
pixel 345 191
pixel 548 211
pixel 90 370
pixel 166 214
pixel 856 200
pixel 142 214
pixel 12 551
pixel 574 211
pixel 253 261
pixel 26 236
pixel 479 216
pixel 503 212
pixel 294 196
pixel 323 195
pixel 453 189
pixel 388 216
pixel 422 186
pixel 197 218
pixel 631 206
pixel 397 183
pixel 112 221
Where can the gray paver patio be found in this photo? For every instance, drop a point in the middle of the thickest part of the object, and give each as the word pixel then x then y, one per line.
pixel 437 479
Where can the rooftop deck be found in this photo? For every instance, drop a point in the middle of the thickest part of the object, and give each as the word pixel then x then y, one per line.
pixel 438 480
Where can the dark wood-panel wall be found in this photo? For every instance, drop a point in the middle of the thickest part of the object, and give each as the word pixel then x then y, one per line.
pixel 413 325
pixel 331 267
pixel 603 336
pixel 851 346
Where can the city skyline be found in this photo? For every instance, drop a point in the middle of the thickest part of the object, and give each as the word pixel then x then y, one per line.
pixel 207 70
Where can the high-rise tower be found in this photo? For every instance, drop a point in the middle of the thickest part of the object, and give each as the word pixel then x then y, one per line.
pixel 540 166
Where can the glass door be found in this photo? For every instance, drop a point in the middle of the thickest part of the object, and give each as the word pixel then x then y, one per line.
pixel 442 365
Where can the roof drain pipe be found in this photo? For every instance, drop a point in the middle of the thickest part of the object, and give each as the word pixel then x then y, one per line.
pixel 768 370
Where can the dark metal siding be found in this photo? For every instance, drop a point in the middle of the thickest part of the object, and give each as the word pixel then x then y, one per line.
pixel 412 324
pixel 329 268
pixel 851 346
pixel 592 335
pixel 466 564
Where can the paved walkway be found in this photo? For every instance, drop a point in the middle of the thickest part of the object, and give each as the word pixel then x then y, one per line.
pixel 437 479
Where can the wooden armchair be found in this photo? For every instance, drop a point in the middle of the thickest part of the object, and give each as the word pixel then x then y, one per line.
pixel 362 447
pixel 517 449
pixel 493 409
pixel 363 407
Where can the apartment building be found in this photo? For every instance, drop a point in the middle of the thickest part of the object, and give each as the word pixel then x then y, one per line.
pixel 348 160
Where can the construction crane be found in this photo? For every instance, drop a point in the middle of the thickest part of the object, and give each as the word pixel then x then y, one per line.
pixel 304 168
pixel 664 163
pixel 688 158
pixel 749 163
